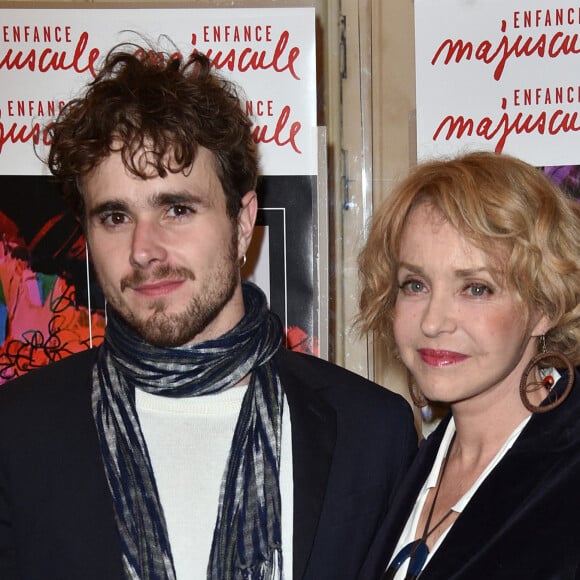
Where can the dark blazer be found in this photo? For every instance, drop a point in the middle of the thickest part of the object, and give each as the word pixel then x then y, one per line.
pixel 352 441
pixel 524 520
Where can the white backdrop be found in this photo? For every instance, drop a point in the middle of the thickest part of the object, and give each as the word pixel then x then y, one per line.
pixel 46 55
pixel 499 75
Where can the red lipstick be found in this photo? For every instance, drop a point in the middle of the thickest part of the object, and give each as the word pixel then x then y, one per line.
pixel 440 358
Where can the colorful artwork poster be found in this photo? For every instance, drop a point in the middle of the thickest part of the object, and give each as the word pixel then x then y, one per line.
pixel 48 306
pixel 498 75
pixel 567 177
pixel 50 303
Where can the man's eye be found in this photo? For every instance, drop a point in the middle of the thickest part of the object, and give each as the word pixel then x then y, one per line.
pixel 179 211
pixel 113 219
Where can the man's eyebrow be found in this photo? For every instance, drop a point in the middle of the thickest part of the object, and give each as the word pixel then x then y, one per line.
pixel 112 205
pixel 166 198
pixel 162 199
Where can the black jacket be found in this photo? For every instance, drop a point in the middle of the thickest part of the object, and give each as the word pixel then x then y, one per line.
pixel 352 441
pixel 524 520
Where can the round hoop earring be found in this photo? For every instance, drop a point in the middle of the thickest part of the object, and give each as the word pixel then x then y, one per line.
pixel 547 382
pixel 416 395
pixel 243 261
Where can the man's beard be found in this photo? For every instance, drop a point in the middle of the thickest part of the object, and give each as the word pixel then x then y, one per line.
pixel 172 330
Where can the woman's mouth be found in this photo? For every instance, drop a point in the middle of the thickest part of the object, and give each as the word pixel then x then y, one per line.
pixel 440 358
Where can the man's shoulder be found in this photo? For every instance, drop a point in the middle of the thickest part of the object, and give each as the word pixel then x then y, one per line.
pixel 52 381
pixel 321 374
pixel 341 387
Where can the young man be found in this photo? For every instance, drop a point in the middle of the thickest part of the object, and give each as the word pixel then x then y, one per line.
pixel 190 444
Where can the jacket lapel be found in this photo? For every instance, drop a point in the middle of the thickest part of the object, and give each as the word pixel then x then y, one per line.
pixel 313 440
pixel 386 539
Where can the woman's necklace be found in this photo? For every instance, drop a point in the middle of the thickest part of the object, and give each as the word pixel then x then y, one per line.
pixel 417 551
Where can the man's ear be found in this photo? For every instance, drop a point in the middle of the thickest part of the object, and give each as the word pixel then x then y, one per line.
pixel 246 221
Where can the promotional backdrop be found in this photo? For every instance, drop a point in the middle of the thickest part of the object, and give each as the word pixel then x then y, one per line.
pixel 50 305
pixel 500 75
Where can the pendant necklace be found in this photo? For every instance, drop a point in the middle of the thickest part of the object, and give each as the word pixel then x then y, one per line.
pixel 417 551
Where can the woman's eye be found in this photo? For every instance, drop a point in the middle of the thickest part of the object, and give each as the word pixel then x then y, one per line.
pixel 412 286
pixel 478 290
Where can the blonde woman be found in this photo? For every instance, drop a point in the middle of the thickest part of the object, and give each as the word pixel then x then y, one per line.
pixel 471 277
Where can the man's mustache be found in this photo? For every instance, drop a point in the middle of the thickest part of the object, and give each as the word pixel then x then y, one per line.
pixel 162 272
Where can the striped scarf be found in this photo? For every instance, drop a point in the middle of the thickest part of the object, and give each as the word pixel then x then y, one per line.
pixel 247 535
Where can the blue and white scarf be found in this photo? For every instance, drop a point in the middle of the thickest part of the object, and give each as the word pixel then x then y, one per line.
pixel 247 535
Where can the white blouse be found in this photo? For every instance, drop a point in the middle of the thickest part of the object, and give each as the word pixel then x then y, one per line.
pixel 410 531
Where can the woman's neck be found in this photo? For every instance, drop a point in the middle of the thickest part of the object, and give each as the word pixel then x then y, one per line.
pixel 481 432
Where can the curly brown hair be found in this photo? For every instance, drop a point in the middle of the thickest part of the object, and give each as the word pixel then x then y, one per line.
pixel 505 207
pixel 148 100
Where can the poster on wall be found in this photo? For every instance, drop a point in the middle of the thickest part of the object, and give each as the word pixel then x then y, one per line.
pixel 50 303
pixel 499 75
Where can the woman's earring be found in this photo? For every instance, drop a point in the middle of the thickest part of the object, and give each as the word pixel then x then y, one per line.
pixel 416 395
pixel 547 381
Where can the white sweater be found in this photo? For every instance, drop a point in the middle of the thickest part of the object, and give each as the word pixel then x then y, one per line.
pixel 189 440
